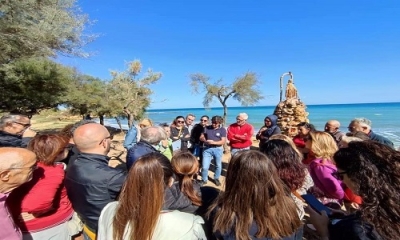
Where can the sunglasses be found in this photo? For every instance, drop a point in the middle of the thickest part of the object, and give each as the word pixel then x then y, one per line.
pixel 180 121
pixel 204 120
pixel 339 175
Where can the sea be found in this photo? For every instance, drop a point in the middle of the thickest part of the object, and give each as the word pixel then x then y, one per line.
pixel 385 117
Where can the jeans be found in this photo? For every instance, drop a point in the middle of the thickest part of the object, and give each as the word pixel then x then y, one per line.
pixel 208 154
pixel 235 150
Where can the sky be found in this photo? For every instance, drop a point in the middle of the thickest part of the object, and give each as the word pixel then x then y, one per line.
pixel 343 51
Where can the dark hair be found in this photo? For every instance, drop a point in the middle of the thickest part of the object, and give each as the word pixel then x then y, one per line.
pixel 142 197
pixel 48 146
pixel 217 119
pixel 360 135
pixel 204 116
pixel 374 169
pixel 287 161
pixel 307 125
pixel 186 166
pixel 254 193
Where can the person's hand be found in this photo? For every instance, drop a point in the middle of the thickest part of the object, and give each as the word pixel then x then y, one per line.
pixel 25 216
pixel 320 221
pixel 164 143
pixel 29 133
pixel 210 141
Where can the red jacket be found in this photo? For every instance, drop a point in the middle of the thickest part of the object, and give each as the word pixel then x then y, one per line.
pixel 240 136
pixel 44 196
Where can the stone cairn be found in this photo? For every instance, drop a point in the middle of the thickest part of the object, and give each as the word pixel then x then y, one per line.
pixel 292 110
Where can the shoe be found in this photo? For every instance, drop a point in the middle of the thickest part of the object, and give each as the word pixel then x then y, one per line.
pixel 202 183
pixel 217 183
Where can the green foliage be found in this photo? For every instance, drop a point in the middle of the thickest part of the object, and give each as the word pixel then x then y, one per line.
pixel 32 28
pixel 31 85
pixel 244 89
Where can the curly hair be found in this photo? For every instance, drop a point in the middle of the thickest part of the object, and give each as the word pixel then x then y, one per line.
pixel 374 170
pixel 287 161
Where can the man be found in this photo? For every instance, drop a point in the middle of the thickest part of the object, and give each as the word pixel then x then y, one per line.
pixel 189 123
pixel 332 127
pixel 214 137
pixel 16 168
pixel 91 183
pixel 197 130
pixel 364 125
pixel 14 131
pixel 149 140
pixel 240 134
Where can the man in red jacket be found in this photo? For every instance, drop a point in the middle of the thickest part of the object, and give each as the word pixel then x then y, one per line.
pixel 240 134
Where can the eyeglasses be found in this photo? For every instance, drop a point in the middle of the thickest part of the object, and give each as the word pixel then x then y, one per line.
pixel 109 137
pixel 25 125
pixel 190 119
pixel 339 175
pixel 180 121
pixel 31 168
pixel 204 120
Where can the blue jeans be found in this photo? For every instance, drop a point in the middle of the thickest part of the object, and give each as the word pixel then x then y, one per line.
pixel 208 154
pixel 235 150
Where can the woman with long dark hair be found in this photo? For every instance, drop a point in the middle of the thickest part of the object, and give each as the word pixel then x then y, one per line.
pixel 255 204
pixel 371 170
pixel 139 214
pixel 179 134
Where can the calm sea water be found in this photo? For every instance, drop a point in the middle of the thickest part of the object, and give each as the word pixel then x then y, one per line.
pixel 385 117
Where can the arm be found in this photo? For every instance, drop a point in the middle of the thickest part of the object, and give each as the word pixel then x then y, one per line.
pixel 41 196
pixel 130 138
pixel 186 135
pixel 247 136
pixel 115 184
pixel 220 142
pixel 332 186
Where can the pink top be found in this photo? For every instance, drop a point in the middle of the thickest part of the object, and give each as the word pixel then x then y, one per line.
pixel 9 229
pixel 45 197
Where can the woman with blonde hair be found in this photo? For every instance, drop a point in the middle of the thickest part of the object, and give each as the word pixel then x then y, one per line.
pixel 139 213
pixel 255 204
pixel 327 188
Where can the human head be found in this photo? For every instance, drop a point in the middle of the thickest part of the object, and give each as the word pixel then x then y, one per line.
pixel 69 129
pixel 153 135
pixel 49 148
pixel 360 124
pixel 185 166
pixel 166 128
pixel 241 119
pixel 145 123
pixel 189 120
pixel 345 140
pixel 216 121
pixel 204 120
pixel 322 145
pixel 92 138
pixel 254 192
pixel 332 126
pixel 288 140
pixel 305 128
pixel 372 170
pixel 14 124
pixel 179 121
pixel 142 196
pixel 16 167
pixel 270 120
pixel 287 161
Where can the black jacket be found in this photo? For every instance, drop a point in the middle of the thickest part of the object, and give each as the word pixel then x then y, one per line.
pixel 91 184
pixel 12 140
pixel 174 199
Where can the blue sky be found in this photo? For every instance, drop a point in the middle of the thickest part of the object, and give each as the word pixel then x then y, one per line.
pixel 339 51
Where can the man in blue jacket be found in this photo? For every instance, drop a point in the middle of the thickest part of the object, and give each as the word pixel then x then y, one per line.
pixel 364 125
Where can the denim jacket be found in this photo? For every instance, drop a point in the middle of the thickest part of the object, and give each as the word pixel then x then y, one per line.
pixel 131 137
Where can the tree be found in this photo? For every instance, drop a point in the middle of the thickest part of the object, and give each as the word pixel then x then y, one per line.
pixel 128 93
pixel 30 85
pixel 244 89
pixel 32 28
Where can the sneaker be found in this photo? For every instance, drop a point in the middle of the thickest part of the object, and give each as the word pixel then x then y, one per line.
pixel 202 183
pixel 217 183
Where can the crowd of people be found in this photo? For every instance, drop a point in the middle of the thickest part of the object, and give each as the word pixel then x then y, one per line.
pixel 60 185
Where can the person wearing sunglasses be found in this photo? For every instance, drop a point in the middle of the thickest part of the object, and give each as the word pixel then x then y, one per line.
pixel 179 134
pixel 15 131
pixel 197 130
pixel 91 184
pixel 16 167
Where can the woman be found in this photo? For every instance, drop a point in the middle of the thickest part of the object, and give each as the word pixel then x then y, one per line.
pixel 371 170
pixel 290 169
pixel 42 204
pixel 254 204
pixel 304 129
pixel 269 129
pixel 288 140
pixel 327 188
pixel 139 214
pixel 179 134
pixel 186 166
pixel 165 146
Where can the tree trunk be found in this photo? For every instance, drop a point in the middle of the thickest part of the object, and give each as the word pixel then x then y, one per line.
pixel 225 113
pixel 119 123
pixel 101 117
pixel 130 120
